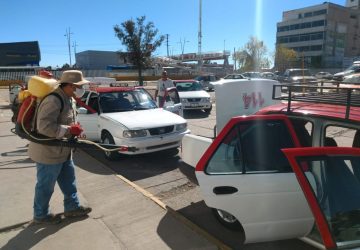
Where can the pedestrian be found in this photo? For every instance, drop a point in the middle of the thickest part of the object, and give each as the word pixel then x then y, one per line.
pixel 162 85
pixel 56 118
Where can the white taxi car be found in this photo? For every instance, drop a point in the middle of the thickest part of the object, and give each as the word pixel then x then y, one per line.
pixel 193 96
pixel 129 117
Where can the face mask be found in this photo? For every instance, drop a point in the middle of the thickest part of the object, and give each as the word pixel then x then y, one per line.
pixel 79 92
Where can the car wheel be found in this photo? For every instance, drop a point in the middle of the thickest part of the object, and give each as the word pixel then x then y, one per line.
pixel 227 220
pixel 108 139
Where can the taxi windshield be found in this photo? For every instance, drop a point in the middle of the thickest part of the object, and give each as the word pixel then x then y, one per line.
pixel 126 101
pixel 188 86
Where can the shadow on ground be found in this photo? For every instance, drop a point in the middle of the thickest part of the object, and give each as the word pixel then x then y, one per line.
pixel 136 167
pixel 32 234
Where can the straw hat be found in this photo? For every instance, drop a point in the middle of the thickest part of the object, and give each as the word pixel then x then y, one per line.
pixel 73 76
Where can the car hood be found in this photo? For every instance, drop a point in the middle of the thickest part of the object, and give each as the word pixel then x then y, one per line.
pixel 143 119
pixel 194 94
pixel 299 78
pixel 344 73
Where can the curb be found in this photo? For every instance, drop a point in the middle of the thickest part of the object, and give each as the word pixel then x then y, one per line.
pixel 172 211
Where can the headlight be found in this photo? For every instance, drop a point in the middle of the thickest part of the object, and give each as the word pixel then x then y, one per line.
pixel 134 133
pixel 183 100
pixel 180 127
pixel 207 99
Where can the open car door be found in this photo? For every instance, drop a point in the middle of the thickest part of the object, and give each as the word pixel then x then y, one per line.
pixel 172 101
pixel 245 177
pixel 335 199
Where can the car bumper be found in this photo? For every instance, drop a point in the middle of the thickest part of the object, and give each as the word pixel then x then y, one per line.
pixel 151 144
pixel 192 106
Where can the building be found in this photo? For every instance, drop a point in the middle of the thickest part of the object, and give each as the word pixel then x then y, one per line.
pixel 20 54
pixel 322 34
pixel 95 59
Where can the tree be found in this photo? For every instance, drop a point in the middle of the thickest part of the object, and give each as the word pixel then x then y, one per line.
pixel 253 56
pixel 285 58
pixel 140 41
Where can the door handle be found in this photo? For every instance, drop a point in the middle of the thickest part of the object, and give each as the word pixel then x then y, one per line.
pixel 224 190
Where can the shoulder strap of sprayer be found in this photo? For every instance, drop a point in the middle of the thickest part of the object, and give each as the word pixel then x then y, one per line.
pixel 36 110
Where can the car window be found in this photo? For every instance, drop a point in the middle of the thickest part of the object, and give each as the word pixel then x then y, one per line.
pixel 337 191
pixel 252 147
pixel 337 136
pixel 93 102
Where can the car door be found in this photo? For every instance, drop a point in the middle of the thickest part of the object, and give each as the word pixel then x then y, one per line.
pixel 88 120
pixel 244 173
pixel 172 101
pixel 335 199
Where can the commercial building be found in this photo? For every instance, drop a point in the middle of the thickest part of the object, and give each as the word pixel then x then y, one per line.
pixel 323 34
pixel 20 54
pixel 95 59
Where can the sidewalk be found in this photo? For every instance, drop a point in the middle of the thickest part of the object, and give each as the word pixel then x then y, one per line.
pixel 122 217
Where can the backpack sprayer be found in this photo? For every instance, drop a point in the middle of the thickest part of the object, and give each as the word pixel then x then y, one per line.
pixel 38 88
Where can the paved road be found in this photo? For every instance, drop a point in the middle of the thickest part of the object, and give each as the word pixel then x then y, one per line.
pixel 165 176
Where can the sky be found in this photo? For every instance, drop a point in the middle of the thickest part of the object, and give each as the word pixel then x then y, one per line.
pixel 225 24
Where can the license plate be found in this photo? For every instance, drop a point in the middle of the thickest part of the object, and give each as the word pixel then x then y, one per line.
pixel 194 105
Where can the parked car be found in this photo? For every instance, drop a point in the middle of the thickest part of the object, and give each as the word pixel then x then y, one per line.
pixel 193 96
pixel 205 80
pixel 355 68
pixel 130 118
pixel 324 75
pixel 352 79
pixel 298 76
pixel 268 75
pixel 278 174
pixel 251 74
pixel 234 76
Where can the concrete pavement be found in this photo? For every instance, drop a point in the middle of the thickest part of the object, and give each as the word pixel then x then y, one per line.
pixel 123 217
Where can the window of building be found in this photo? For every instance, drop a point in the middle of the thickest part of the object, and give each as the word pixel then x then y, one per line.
pixel 294 26
pixel 304 38
pixel 308 14
pixel 319 12
pixel 294 39
pixel 318 23
pixel 316 47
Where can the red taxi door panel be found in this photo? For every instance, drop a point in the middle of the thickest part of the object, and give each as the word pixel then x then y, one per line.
pixel 244 173
pixel 335 199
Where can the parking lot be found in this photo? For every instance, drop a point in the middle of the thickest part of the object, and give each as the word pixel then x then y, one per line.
pixel 165 176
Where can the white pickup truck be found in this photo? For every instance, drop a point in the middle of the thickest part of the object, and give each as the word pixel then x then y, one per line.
pixel 128 117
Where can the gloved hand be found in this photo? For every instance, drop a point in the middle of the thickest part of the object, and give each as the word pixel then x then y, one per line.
pixel 75 129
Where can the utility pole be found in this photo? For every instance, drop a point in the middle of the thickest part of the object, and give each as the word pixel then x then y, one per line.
pixel 199 38
pixel 68 36
pixel 234 59
pixel 74 46
pixel 167 44
pixel 182 44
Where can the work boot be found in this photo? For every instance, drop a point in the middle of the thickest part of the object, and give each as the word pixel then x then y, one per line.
pixel 79 212
pixel 49 219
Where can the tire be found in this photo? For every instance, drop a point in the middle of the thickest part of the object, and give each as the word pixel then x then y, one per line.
pixel 108 139
pixel 227 220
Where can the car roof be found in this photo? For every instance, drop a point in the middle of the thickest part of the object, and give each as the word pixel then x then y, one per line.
pixel 189 80
pixel 114 89
pixel 314 109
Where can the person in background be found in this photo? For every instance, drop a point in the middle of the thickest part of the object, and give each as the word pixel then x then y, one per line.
pixel 162 85
pixel 56 118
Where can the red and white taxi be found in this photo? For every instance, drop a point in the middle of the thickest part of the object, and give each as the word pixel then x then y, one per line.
pixel 291 170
